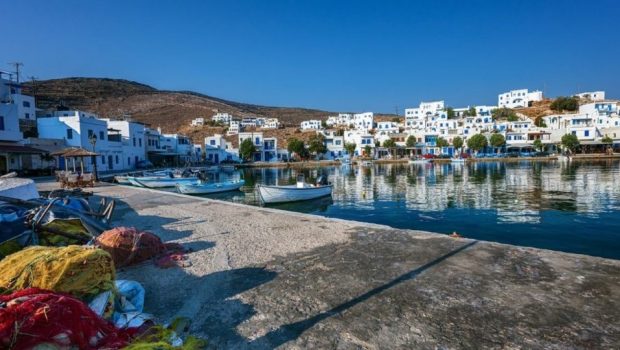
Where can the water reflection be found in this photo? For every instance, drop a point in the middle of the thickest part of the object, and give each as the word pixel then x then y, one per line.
pixel 530 203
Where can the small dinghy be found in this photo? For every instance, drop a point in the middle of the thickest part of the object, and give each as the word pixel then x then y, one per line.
pixel 206 188
pixel 293 193
pixel 122 180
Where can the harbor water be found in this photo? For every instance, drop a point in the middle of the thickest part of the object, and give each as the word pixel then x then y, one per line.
pixel 570 207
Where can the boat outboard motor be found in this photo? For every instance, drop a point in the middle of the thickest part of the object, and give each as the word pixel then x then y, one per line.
pixel 321 181
pixel 202 176
pixel 171 175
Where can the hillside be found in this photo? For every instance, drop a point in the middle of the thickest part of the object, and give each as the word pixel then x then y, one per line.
pixel 170 110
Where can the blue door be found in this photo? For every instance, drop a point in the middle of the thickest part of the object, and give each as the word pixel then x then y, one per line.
pixel 217 159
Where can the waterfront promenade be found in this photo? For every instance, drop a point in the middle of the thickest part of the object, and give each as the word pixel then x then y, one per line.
pixel 262 278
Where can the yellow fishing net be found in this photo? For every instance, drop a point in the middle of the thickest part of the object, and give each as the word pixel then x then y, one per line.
pixel 81 271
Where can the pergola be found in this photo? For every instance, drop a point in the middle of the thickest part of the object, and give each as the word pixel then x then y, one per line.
pixel 74 152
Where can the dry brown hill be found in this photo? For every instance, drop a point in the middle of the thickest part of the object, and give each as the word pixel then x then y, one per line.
pixel 171 110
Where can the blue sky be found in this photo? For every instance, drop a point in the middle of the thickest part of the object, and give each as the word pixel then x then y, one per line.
pixel 332 55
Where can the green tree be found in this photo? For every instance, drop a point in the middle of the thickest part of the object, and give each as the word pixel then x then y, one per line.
pixel 367 150
pixel 477 142
pixel 606 139
pixel 540 122
pixel 441 142
pixel 350 148
pixel 396 120
pixel 457 142
pixel 247 149
pixel 389 143
pixel 538 145
pixel 497 140
pixel 504 114
pixel 570 142
pixel 316 144
pixel 296 146
pixel 471 112
pixel 324 124
pixel 565 104
pixel 450 113
pixel 410 141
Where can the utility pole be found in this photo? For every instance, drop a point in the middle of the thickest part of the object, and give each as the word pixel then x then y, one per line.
pixel 17 65
pixel 34 86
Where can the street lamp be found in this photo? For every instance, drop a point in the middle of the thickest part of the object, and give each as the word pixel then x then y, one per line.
pixel 93 141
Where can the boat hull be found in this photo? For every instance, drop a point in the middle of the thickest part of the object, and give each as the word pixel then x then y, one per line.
pixel 122 180
pixel 209 188
pixel 283 194
pixel 154 182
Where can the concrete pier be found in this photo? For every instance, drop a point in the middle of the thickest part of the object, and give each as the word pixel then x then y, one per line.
pixel 263 278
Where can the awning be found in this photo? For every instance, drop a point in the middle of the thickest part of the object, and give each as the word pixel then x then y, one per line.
pixel 74 152
pixel 20 149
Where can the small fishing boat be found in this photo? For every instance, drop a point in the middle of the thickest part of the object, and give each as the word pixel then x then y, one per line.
pixel 206 188
pixel 366 163
pixel 457 160
pixel 160 181
pixel 122 180
pixel 293 193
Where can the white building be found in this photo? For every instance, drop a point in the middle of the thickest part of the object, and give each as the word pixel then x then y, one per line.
pixel 592 95
pixel 178 147
pixel 363 121
pixel 217 149
pixel 387 128
pixel 311 124
pixel 361 139
pixel 234 128
pixel 334 144
pixel 200 121
pixel 249 122
pixel 271 123
pixel 266 147
pixel 224 118
pixel 133 139
pixel 17 111
pixel 78 128
pixel 518 98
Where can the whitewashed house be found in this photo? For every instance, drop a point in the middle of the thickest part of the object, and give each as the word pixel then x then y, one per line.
pixel 266 147
pixel 271 123
pixel 364 121
pixel 17 120
pixel 592 95
pixel 311 124
pixel 200 121
pixel 223 118
pixel 234 128
pixel 217 149
pixel 518 98
pixel 334 144
pixel 133 140
pixel 178 147
pixel 361 139
pixel 78 128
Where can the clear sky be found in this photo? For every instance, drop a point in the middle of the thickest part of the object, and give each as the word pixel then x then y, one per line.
pixel 334 55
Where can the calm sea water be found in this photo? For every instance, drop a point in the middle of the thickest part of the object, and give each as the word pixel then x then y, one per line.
pixel 571 207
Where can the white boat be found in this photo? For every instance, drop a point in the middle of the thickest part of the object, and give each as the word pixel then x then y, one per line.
pixel 122 180
pixel 366 163
pixel 206 188
pixel 419 161
pixel 160 181
pixel 293 193
pixel 457 160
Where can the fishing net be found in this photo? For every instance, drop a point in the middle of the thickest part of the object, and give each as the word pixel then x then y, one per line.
pixel 43 319
pixel 167 338
pixel 80 271
pixel 129 246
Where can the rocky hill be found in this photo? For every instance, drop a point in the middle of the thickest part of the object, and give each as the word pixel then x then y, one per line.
pixel 171 110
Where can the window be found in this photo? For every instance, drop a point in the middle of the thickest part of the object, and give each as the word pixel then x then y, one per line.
pixel 574 133
pixel 69 134
pixel 586 133
pixel 117 159
pixel 257 141
pixel 90 134
pixel 134 141
pixel 102 159
pixel 101 136
pixel 1 123
pixel 128 160
pixel 140 142
pixel 27 115
pixel 212 142
pixel 26 104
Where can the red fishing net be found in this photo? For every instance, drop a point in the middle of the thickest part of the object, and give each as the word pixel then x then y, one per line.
pixel 129 246
pixel 33 316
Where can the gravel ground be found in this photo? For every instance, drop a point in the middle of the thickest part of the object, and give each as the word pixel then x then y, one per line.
pixel 263 278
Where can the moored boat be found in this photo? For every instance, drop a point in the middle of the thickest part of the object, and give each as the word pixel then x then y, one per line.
pixel 206 188
pixel 419 161
pixel 160 181
pixel 293 193
pixel 457 160
pixel 122 180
